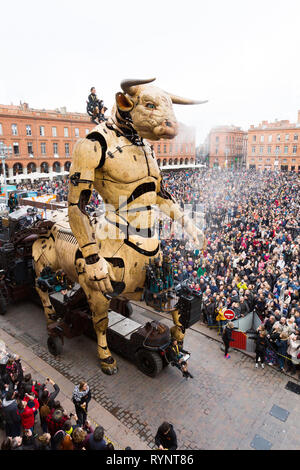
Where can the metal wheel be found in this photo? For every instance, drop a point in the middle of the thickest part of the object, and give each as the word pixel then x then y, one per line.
pixel 150 363
pixel 55 345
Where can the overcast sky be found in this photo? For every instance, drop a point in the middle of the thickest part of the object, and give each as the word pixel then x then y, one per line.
pixel 241 55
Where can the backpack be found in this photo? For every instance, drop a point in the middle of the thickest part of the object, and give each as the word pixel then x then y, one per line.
pixel 44 410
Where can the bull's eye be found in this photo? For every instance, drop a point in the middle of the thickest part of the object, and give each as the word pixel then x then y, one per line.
pixel 150 105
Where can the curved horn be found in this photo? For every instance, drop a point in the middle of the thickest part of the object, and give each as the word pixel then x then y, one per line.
pixel 128 84
pixel 179 100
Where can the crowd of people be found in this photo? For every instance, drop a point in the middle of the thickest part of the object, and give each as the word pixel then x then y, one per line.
pixel 251 262
pixel 33 418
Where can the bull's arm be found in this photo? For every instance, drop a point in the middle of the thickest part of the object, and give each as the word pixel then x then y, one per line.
pixel 86 158
pixel 170 207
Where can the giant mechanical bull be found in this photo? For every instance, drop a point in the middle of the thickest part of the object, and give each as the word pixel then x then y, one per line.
pixel 115 160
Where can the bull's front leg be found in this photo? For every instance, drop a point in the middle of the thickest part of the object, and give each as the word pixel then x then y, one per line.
pixel 99 305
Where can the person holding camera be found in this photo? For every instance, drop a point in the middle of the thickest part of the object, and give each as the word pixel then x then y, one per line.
pixel 81 397
pixel 46 401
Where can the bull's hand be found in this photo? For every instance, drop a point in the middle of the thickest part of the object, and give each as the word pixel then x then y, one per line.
pixel 98 273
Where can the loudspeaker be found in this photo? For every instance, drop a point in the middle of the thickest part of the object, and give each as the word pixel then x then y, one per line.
pixel 189 310
pixel 20 272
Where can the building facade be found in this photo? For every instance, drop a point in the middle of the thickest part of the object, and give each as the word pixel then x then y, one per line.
pixel 179 151
pixel 226 147
pixel 274 146
pixel 41 140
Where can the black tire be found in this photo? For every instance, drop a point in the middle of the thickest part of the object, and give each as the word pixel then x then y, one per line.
pixel 128 310
pixel 3 305
pixel 55 345
pixel 148 362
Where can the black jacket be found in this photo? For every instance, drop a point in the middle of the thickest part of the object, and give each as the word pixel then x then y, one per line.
pixel 51 397
pixel 227 335
pixel 168 441
pixel 10 412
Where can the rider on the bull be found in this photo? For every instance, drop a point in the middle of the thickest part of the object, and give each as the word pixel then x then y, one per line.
pixel 95 107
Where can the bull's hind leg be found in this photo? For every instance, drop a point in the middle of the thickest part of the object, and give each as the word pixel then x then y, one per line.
pixel 99 305
pixel 43 251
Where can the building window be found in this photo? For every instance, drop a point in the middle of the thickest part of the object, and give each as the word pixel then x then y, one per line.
pixel 262 138
pixel 165 148
pixel 261 149
pixel 253 149
pixel 55 148
pixel 1 130
pixel 287 136
pixel 217 138
pixel 217 150
pixel 269 148
pixel 294 148
pixel 29 148
pixel 87 131
pixel 277 149
pixel 54 132
pixel 254 138
pixel 14 129
pixel 66 131
pixel 286 149
pixel 43 148
pixel 270 138
pixel 16 148
pixel 170 148
pixel 76 132
pixel 158 148
pixel 28 130
pixel 295 136
pixel 67 149
pixel 278 137
pixel 42 130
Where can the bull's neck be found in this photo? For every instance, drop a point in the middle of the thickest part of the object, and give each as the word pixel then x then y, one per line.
pixel 121 123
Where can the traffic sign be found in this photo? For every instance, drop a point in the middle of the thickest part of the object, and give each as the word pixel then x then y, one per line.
pixel 229 314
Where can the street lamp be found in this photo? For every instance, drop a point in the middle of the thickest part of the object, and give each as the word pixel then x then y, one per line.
pixel 5 152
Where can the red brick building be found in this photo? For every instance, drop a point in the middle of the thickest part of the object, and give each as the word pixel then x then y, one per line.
pixel 179 151
pixel 41 140
pixel 274 146
pixel 226 147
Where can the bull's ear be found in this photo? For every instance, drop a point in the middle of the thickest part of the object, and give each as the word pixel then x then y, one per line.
pixel 123 102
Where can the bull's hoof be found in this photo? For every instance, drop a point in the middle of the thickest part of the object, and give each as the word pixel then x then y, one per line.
pixel 109 366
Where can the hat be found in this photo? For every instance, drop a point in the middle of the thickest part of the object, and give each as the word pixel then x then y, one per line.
pixel 57 415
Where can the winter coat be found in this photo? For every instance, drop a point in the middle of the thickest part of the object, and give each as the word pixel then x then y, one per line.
pixel 293 350
pixel 282 346
pixel 10 410
pixel 227 335
pixel 261 344
pixel 168 441
pixel 27 417
pixel 95 445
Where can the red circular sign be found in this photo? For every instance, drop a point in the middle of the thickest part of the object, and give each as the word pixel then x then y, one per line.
pixel 229 314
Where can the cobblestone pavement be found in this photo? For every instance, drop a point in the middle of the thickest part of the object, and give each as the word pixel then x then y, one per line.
pixel 225 406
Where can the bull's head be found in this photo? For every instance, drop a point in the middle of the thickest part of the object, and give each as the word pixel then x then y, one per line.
pixel 149 108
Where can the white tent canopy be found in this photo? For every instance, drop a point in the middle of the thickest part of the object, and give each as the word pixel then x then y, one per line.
pixel 35 176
